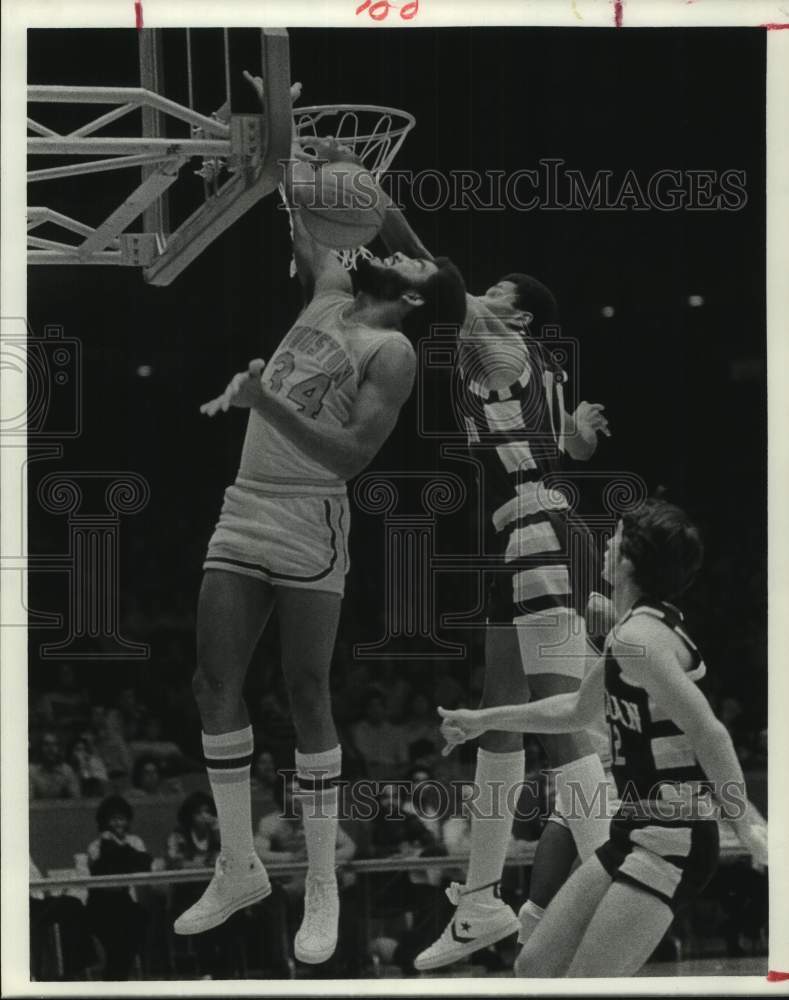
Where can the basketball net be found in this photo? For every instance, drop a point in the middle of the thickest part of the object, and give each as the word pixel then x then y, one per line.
pixel 372 133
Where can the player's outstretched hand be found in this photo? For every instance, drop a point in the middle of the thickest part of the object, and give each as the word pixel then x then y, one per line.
pixel 459 726
pixel 243 391
pixel 589 417
pixel 256 82
pixel 752 833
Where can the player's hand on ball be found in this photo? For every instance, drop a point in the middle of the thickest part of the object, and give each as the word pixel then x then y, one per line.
pixel 459 726
pixel 243 391
pixel 331 150
pixel 589 417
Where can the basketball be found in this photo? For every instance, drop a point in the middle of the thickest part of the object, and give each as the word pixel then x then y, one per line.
pixel 345 209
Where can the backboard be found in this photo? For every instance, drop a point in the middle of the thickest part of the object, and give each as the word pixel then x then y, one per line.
pixel 188 163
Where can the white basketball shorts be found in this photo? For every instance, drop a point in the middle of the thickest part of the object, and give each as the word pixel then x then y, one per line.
pixel 287 539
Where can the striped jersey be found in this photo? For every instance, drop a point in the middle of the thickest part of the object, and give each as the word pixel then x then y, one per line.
pixel 649 750
pixel 514 432
pixel 318 368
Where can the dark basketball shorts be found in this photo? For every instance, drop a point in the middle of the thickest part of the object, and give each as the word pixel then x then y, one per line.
pixel 670 859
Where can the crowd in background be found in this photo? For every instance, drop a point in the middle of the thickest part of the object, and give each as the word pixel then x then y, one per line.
pixel 133 737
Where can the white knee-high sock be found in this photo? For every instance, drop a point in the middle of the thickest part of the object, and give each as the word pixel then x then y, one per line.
pixel 583 792
pixel 317 774
pixel 530 915
pixel 227 758
pixel 491 823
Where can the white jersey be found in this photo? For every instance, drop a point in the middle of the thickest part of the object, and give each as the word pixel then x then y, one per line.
pixel 318 368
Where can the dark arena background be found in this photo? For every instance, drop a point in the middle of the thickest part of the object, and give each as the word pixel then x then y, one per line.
pixel 663 311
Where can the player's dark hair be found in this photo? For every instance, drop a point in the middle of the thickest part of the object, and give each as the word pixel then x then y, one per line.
pixel 536 298
pixel 664 546
pixel 113 805
pixel 444 294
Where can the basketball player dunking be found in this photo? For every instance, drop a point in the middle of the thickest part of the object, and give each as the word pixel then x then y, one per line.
pixel 511 399
pixel 669 753
pixel 319 411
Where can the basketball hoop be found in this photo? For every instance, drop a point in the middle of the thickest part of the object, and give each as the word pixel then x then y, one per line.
pixel 374 134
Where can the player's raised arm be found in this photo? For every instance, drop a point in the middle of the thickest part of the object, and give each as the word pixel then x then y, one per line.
pixel 561 713
pixel 398 235
pixel 346 450
pixel 318 267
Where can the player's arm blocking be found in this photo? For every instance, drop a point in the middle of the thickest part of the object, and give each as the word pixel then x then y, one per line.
pixel 346 450
pixel 397 234
pixel 561 713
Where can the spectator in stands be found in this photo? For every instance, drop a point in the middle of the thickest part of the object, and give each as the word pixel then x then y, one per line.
pixel 264 773
pixel 149 782
pixel 89 766
pixel 51 777
pixel 276 722
pixel 398 831
pixel 117 919
pixel 264 781
pixel 150 742
pixel 446 687
pixel 65 916
pixel 421 727
pixel 107 730
pixel 390 680
pixel 456 829
pixel 380 743
pixel 425 798
pixel 195 843
pixel 64 705
pixel 131 713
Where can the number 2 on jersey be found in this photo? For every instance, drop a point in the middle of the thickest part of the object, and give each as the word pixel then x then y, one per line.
pixel 616 740
pixel 307 394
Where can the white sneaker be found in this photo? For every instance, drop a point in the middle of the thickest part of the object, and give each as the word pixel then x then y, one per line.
pixel 235 885
pixel 317 937
pixel 475 925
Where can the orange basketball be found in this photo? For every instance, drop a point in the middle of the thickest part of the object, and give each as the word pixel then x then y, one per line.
pixel 345 209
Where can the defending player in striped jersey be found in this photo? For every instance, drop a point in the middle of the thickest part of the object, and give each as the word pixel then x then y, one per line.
pixel 671 756
pixel 511 401
pixel 319 411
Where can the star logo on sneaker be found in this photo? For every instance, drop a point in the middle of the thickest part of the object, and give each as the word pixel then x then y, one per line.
pixel 461 938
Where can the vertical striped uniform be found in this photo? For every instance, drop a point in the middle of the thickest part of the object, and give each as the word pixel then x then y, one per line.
pixel 660 838
pixel 286 518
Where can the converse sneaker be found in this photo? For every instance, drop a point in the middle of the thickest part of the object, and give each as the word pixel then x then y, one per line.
pixel 235 885
pixel 317 937
pixel 475 925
